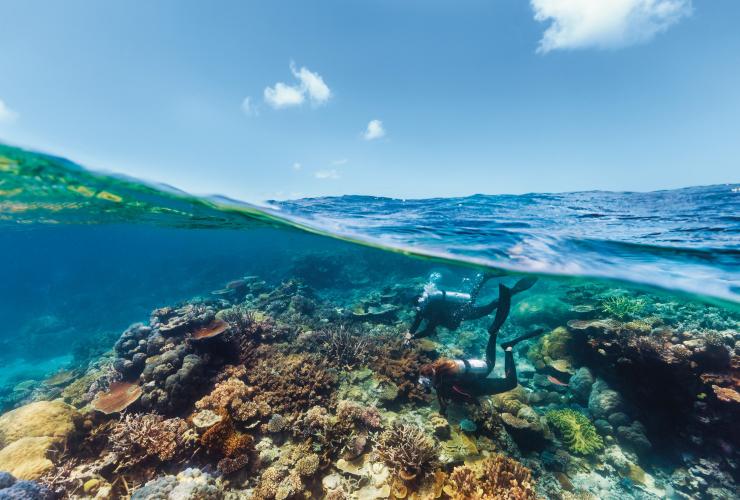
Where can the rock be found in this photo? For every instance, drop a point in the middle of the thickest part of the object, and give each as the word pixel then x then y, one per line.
pixel 580 384
pixel 619 419
pixel 26 458
pixel 25 490
pixel 616 457
pixel 603 426
pixel 42 418
pixel 604 401
pixel 634 437
pixel 6 480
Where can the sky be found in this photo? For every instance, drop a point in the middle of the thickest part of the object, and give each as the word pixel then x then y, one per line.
pixel 280 99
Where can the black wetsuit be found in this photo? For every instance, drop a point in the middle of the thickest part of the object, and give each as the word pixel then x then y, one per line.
pixel 450 309
pixel 472 381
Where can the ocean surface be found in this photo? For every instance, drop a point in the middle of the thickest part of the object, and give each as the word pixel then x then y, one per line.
pixel 635 293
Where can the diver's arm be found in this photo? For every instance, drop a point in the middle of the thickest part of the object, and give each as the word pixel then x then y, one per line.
pixel 427 331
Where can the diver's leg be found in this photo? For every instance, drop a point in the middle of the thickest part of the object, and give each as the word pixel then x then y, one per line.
pixel 534 333
pixel 475 312
pixel 504 296
pixel 490 386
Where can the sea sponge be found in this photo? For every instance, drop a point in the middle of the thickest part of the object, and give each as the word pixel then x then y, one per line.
pixel 576 430
pixel 408 450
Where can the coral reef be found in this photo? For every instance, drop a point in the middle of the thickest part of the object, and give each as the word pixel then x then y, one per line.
pixel 282 390
pixel 13 489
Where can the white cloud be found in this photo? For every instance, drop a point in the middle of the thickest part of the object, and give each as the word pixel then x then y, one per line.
pixel 374 130
pixel 297 166
pixel 7 115
pixel 326 174
pixel 283 96
pixel 604 24
pixel 310 84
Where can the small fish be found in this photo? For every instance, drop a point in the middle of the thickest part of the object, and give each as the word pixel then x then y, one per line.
pixel 556 381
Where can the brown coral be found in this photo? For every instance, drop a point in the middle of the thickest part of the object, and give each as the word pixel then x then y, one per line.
pixel 136 438
pixel 118 397
pixel 225 442
pixel 212 329
pixel 407 449
pixel 400 365
pixel 293 383
pixel 495 478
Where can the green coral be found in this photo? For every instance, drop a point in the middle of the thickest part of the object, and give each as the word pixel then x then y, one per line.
pixel 622 306
pixel 576 431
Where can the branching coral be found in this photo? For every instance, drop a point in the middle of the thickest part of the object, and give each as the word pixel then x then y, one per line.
pixel 576 430
pixel 400 365
pixel 622 306
pixel 496 478
pixel 408 450
pixel 344 346
pixel 136 438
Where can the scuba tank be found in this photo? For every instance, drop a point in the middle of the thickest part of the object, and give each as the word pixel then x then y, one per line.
pixel 472 368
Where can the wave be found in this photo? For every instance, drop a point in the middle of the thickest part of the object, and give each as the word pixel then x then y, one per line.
pixel 683 240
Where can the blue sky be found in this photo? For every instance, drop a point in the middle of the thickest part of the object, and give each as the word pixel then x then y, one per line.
pixel 406 98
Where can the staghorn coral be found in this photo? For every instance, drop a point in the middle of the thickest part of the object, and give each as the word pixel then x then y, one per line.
pixel 136 438
pixel 344 346
pixel 622 307
pixel 407 449
pixel 576 430
pixel 495 478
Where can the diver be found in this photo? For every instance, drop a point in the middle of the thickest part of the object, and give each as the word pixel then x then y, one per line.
pixel 464 380
pixel 450 309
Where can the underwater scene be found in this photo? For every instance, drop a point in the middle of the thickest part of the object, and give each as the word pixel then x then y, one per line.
pixel 157 345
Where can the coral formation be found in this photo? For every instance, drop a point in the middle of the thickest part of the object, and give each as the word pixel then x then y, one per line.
pixel 495 478
pixel 408 450
pixel 136 438
pixel 576 430
pixel 118 397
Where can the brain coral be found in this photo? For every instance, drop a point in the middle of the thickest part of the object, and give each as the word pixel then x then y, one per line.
pixel 576 430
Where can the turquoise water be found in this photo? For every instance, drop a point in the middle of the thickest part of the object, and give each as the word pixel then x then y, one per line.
pixel 637 297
